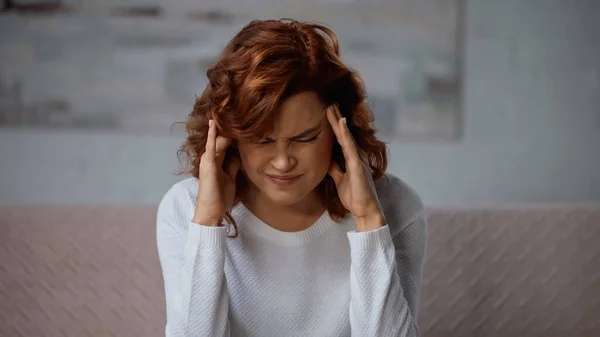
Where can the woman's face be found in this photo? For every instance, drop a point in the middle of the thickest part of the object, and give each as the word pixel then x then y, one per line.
pixel 288 163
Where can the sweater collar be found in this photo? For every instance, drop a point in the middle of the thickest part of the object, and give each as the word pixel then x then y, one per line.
pixel 247 220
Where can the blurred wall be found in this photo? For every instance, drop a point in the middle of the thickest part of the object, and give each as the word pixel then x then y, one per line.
pixel 531 126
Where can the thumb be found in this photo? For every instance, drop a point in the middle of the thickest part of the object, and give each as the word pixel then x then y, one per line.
pixel 335 172
pixel 233 167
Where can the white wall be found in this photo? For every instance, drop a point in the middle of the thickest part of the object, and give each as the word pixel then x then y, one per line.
pixel 532 110
pixel 531 130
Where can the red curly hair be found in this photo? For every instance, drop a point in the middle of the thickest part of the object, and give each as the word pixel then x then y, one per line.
pixel 265 63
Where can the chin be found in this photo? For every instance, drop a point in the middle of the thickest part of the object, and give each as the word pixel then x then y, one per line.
pixel 287 198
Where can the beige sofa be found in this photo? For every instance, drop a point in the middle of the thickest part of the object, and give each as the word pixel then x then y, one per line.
pixel 501 271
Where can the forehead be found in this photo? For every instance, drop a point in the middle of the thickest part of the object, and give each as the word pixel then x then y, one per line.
pixel 298 113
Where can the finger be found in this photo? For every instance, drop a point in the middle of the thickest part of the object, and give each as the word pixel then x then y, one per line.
pixel 348 145
pixel 336 110
pixel 343 135
pixel 233 167
pixel 222 144
pixel 338 126
pixel 221 148
pixel 333 119
pixel 362 154
pixel 211 140
pixel 335 172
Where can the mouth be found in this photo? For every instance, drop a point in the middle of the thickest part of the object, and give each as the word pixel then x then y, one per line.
pixel 283 180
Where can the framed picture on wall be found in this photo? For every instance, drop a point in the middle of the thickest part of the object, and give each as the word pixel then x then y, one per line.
pixel 138 68
pixel 409 54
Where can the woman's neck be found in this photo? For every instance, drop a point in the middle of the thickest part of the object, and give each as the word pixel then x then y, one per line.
pixel 286 218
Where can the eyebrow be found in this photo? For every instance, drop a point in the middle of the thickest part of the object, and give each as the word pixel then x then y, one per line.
pixel 306 132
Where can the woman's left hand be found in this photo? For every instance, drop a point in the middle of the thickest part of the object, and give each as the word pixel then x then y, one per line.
pixel 355 187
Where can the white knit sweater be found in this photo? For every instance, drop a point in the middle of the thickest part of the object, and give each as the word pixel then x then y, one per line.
pixel 327 280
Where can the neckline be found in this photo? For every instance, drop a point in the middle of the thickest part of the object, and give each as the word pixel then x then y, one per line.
pixel 247 219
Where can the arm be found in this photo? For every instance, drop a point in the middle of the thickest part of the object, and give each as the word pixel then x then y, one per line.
pixel 378 303
pixel 192 258
pixel 385 280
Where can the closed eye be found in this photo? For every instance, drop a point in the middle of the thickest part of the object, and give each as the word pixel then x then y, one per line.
pixel 298 139
pixel 307 140
pixel 266 141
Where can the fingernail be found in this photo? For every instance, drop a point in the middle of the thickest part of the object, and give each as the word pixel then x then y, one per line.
pixel 345 123
pixel 210 123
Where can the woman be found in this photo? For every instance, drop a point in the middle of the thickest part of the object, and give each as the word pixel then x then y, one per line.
pixel 281 146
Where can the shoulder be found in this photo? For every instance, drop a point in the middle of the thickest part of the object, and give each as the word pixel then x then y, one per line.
pixel 401 204
pixel 180 194
pixel 178 203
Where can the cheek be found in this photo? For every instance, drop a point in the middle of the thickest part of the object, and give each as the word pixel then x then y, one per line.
pixel 319 154
pixel 251 157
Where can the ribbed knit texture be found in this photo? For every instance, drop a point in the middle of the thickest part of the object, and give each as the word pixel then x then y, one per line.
pixel 327 280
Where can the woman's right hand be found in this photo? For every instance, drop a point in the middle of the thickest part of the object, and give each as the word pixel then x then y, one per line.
pixel 216 184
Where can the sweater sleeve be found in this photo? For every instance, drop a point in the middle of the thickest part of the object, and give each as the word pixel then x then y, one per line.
pixel 385 280
pixel 192 259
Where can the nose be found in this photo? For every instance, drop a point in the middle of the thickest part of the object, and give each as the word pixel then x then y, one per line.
pixel 282 160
